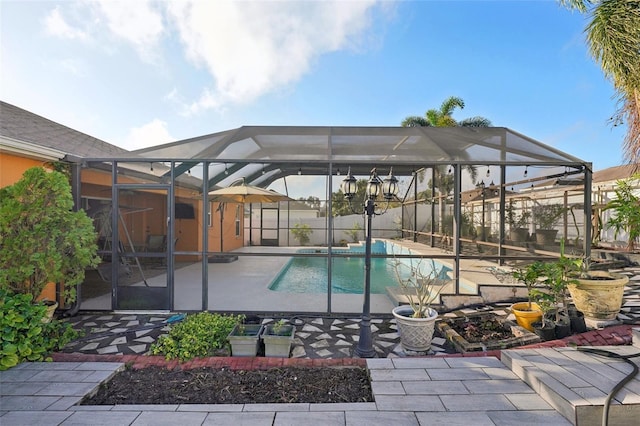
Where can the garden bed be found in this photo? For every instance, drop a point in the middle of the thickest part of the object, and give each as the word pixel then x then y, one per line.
pixel 483 332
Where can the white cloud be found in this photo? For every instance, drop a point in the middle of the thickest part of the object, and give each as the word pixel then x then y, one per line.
pixel 56 25
pixel 153 133
pixel 74 66
pixel 252 48
pixel 137 22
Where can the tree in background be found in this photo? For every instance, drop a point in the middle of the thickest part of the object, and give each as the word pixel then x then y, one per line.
pixel 311 201
pixel 613 36
pixel 443 117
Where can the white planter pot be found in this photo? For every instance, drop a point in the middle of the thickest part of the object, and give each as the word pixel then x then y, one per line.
pixel 245 339
pixel 277 345
pixel 415 333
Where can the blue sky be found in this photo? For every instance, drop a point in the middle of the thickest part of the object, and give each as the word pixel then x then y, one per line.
pixel 143 73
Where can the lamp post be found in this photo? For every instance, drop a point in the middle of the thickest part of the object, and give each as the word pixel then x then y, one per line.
pixel 389 190
pixel 481 186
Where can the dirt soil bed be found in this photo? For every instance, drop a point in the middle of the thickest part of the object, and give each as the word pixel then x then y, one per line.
pixel 155 385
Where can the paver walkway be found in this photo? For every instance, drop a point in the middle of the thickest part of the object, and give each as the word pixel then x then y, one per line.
pixel 447 389
pixel 418 391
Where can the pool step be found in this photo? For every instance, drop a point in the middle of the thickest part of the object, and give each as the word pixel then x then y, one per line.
pixel 399 297
pixel 576 383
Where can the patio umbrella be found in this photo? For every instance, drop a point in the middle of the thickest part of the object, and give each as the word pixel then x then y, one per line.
pixel 246 194
pixel 243 193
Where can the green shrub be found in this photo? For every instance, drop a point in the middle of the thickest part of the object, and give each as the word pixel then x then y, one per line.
pixel 199 335
pixel 24 336
pixel 354 232
pixel 42 239
pixel 301 232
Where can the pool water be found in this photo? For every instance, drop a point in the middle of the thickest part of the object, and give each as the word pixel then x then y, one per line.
pixel 309 274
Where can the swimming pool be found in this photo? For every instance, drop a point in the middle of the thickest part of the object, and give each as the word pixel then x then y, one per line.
pixel 309 274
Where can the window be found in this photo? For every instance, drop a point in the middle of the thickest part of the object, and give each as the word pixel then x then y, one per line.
pixel 210 216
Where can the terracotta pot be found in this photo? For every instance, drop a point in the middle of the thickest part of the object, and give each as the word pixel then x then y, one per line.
pixel 415 333
pixel 599 299
pixel 524 316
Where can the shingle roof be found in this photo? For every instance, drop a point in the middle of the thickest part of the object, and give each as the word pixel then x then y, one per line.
pixel 19 124
pixel 615 173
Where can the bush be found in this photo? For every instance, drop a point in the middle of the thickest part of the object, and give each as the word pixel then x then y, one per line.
pixel 302 232
pixel 41 239
pixel 354 232
pixel 199 335
pixel 25 337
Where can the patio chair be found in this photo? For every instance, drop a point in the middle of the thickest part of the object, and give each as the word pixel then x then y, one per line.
pixel 156 243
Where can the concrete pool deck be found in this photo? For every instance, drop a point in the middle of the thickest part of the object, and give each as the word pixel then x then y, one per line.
pixel 242 285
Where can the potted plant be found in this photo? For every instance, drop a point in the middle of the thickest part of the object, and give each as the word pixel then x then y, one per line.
pixel 245 339
pixel 597 294
pixel 517 223
pixel 626 207
pixel 558 275
pixel 43 242
pixel 545 327
pixel 546 217
pixel 528 312
pixel 277 338
pixel 422 284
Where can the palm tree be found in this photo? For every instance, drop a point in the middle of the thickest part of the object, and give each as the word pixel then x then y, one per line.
pixel 443 118
pixel 613 36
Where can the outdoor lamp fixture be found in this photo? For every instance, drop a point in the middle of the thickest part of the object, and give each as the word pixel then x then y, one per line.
pixel 481 186
pixel 389 190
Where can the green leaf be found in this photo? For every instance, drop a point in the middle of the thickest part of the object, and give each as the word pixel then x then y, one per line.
pixel 9 360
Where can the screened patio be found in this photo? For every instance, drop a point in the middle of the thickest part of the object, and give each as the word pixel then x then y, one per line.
pixel 463 193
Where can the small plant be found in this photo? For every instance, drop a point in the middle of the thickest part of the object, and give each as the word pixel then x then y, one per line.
pixel 354 232
pixel 281 328
pixel 515 220
pixel 302 233
pixel 25 337
pixel 546 302
pixel 422 285
pixel 530 277
pixel 199 335
pixel 626 206
pixel 278 326
pixel 467 227
pixel 547 216
pixel 557 276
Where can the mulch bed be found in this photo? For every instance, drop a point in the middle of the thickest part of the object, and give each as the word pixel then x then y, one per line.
pixel 156 385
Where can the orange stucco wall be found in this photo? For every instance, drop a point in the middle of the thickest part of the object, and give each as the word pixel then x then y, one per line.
pixel 12 167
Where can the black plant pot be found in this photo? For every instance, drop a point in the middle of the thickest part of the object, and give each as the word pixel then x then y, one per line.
pixel 577 321
pixel 563 330
pixel 548 332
